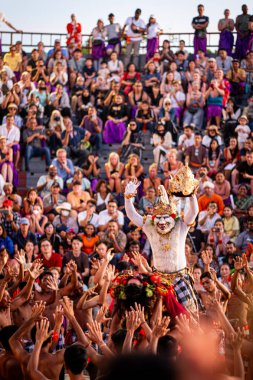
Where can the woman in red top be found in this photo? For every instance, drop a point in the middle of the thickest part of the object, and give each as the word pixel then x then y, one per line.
pixel 130 76
pixel 89 238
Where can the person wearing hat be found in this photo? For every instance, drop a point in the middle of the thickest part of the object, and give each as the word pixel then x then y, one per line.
pixel 113 34
pixel 211 133
pixel 57 46
pixel 199 24
pixel 210 70
pixel 65 217
pixel 74 30
pixel 9 218
pixel 208 197
pixel 12 133
pixel 153 32
pixel 13 110
pixel 23 235
pixel 135 27
pixel 243 131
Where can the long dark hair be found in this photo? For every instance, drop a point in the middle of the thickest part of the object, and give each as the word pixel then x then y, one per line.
pixel 210 151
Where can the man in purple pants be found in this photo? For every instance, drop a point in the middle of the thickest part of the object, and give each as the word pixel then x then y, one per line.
pixel 242 28
pixel 199 24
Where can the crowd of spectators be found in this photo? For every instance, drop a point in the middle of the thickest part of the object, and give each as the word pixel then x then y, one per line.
pixel 69 236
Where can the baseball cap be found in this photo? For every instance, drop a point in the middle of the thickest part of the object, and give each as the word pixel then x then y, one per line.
pixel 7 203
pixel 24 221
pixel 211 60
pixel 111 15
pixel 208 184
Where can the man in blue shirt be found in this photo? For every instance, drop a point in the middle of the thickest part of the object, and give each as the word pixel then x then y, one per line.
pixel 65 167
pixel 57 46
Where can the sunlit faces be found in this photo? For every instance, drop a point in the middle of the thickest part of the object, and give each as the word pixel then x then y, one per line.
pixel 164 224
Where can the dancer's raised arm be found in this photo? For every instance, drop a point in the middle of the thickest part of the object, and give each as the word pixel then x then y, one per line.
pixel 130 193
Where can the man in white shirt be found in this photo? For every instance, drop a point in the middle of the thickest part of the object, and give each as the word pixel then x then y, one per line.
pixel 208 218
pixel 135 29
pixel 186 139
pixel 111 213
pixel 89 216
pixel 45 181
pixel 12 135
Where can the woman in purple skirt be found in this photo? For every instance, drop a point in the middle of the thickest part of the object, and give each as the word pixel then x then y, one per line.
pixel 115 126
pixel 226 26
pixel 153 32
pixel 98 44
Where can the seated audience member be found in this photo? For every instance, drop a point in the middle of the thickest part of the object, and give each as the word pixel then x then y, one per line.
pixel 210 196
pixel 89 216
pixel 114 170
pixel 35 138
pixel 111 213
pixel 64 165
pixel 79 257
pixel 49 258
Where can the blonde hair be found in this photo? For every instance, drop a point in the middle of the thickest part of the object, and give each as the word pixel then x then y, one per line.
pixel 53 123
pixel 152 166
pixel 109 161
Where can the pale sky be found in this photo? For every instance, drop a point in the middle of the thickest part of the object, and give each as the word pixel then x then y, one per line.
pixel 53 15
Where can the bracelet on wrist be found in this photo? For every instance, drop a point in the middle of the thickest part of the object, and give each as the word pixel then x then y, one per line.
pixel 129 196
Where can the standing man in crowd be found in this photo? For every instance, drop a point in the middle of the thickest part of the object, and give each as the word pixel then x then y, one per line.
pixel 199 24
pixel 242 28
pixel 135 29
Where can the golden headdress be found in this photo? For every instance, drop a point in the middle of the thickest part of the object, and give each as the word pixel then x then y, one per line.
pixel 183 183
pixel 165 205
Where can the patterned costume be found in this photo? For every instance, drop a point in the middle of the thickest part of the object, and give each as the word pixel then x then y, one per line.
pixel 166 232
